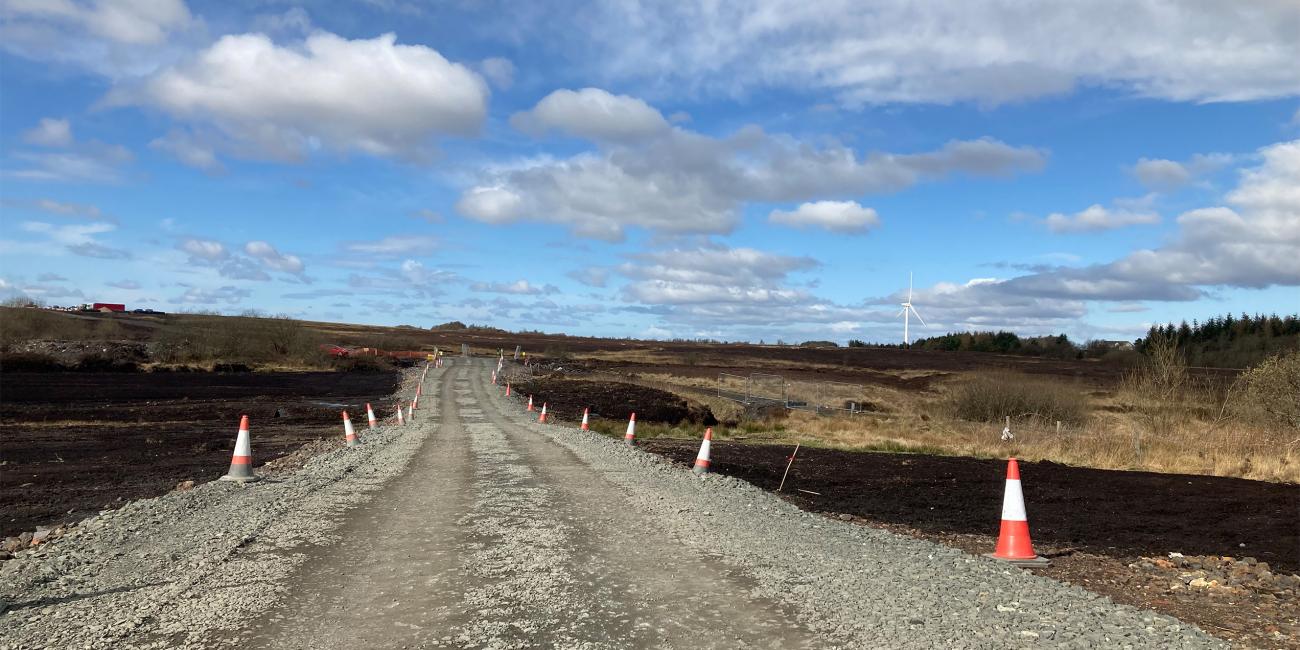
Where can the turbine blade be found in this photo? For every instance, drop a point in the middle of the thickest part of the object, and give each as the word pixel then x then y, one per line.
pixel 918 316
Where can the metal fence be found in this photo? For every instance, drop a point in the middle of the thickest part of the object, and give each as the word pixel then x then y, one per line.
pixel 822 397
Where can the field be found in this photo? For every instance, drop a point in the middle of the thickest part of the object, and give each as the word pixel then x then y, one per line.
pixel 76 443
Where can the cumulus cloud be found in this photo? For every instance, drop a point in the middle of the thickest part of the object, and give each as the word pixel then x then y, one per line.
pixel 499 71
pixel 1167 175
pixel 518 287
pixel 204 249
pixel 878 52
pixel 1096 218
pixel 115 38
pixel 675 181
pixel 189 150
pixel 272 258
pixel 836 216
pixel 49 132
pixel 285 102
pixel 710 276
pixel 78 239
pixel 593 114
pixel 592 276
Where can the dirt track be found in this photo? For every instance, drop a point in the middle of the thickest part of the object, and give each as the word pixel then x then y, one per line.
pixel 75 443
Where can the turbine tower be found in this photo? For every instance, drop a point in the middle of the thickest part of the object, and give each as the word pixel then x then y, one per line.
pixel 907 311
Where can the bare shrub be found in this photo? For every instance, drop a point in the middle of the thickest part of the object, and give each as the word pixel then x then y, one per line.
pixel 1272 391
pixel 990 397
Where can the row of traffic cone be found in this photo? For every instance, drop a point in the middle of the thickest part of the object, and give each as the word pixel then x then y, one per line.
pixel 1014 543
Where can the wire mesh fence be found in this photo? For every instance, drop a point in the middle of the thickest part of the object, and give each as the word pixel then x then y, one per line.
pixel 822 397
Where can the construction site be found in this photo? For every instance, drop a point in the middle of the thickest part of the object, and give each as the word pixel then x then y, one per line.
pixel 532 486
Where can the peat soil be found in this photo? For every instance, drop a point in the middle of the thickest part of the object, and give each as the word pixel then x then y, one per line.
pixel 73 443
pixel 1107 531
pixel 566 398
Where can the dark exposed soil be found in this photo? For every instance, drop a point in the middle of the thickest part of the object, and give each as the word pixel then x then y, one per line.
pixel 83 442
pixel 1114 513
pixel 567 397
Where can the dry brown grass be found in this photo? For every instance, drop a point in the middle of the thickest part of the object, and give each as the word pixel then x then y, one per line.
pixel 1190 428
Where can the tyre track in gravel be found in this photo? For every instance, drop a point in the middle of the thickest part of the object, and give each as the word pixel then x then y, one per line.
pixel 609 577
pixel 396 569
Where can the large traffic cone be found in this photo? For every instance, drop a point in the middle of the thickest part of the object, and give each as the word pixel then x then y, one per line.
pixel 702 459
pixel 507 389
pixel 410 413
pixel 542 418
pixel 1014 545
pixel 370 415
pixel 400 419
pixel 530 402
pixel 349 434
pixel 630 436
pixel 241 464
pixel 585 426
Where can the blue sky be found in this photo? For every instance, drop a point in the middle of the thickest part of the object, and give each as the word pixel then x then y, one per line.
pixel 764 170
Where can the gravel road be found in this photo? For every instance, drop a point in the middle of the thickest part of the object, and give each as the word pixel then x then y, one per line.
pixel 478 527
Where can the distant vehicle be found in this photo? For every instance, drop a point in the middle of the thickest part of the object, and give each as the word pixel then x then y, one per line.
pixel 108 306
pixel 147 311
pixel 334 350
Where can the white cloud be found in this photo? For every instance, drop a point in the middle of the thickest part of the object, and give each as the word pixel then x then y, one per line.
pixel 710 275
pixel 129 285
pixel 50 132
pixel 1095 218
pixel 229 295
pixel 878 51
pixel 836 216
pixel 82 210
pixel 285 102
pixel 190 150
pixel 94 162
pixel 272 258
pixel 204 249
pixel 1161 174
pixel 593 114
pixel 394 246
pixel 680 182
pixel 114 38
pixel 519 287
pixel 78 239
pixel 499 71
pixel 592 276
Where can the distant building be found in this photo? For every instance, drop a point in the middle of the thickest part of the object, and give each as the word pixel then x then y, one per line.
pixel 1116 345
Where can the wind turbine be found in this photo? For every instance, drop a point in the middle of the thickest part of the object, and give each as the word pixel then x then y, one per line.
pixel 907 311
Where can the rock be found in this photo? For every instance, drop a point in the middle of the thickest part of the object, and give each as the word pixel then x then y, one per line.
pixel 846 517
pixel 1199 583
pixel 184 485
pixel 11 544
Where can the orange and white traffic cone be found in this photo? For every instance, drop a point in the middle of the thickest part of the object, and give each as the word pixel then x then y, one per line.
pixel 419 389
pixel 1014 545
pixel 702 459
pixel 410 413
pixel 494 378
pixel 400 419
pixel 241 464
pixel 542 418
pixel 585 426
pixel 530 402
pixel 507 389
pixel 630 436
pixel 349 434
pixel 370 415
pixel 415 403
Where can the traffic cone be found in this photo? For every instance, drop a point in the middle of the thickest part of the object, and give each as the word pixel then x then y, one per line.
pixel 702 459
pixel 585 426
pixel 1014 545
pixel 419 389
pixel 400 420
pixel 370 415
pixel 415 403
pixel 507 389
pixel 530 402
pixel 241 464
pixel 494 378
pixel 349 434
pixel 410 413
pixel 630 436
pixel 542 418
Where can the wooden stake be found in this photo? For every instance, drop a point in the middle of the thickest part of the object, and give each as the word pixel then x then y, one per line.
pixel 787 466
